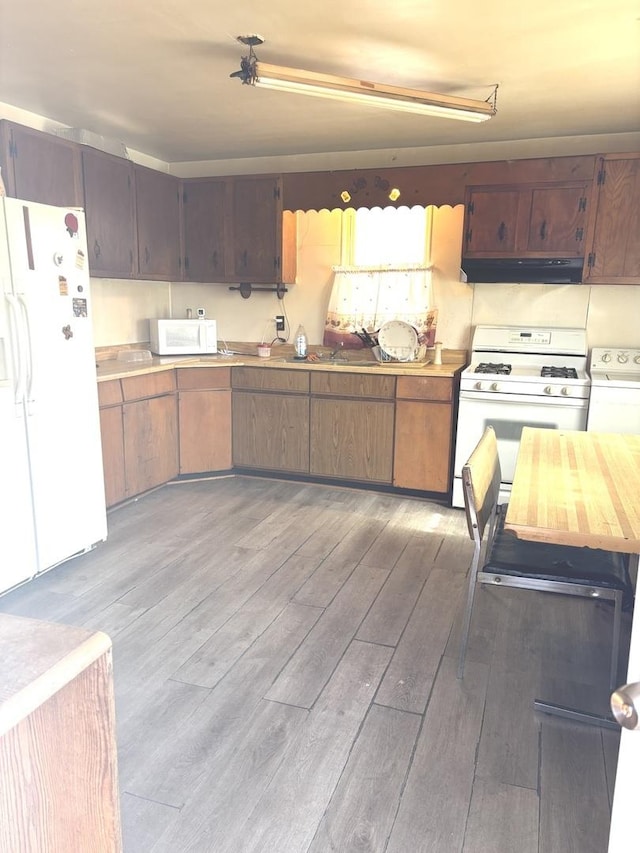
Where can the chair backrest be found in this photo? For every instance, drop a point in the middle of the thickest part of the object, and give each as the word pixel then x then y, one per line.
pixel 481 477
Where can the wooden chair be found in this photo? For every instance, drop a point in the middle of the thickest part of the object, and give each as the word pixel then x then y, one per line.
pixel 513 562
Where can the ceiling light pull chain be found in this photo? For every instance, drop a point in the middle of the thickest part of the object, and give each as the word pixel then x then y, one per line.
pixel 492 100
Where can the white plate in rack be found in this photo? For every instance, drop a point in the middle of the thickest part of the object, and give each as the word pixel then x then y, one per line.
pixel 399 340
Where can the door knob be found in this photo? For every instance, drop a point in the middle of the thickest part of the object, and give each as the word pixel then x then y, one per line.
pixel 625 705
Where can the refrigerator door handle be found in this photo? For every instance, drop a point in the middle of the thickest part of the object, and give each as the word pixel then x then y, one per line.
pixel 28 354
pixel 18 351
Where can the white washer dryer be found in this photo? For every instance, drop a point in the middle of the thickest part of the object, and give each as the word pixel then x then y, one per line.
pixel 614 402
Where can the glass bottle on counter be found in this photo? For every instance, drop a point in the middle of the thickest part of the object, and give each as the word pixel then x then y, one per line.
pixel 301 343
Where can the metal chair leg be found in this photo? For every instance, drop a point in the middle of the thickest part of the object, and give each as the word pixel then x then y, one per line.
pixel 473 574
pixel 615 648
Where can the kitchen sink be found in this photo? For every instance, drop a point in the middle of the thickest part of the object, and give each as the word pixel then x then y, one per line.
pixel 337 362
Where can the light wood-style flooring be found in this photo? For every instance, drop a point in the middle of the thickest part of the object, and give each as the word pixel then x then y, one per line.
pixel 285 676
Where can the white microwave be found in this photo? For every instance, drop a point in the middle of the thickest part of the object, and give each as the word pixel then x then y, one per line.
pixel 183 337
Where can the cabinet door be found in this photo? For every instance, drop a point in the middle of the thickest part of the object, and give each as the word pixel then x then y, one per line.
pixel 614 246
pixel 150 443
pixel 203 217
pixel 113 454
pixel 256 220
pixel 109 200
pixel 271 431
pixel 158 223
pixel 491 222
pixel 41 167
pixel 422 455
pixel 557 220
pixel 352 439
pixel 205 431
pixel 531 220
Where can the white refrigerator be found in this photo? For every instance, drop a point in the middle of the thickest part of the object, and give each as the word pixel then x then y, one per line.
pixel 52 504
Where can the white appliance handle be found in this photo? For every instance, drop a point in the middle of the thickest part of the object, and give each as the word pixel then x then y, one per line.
pixel 18 351
pixel 29 354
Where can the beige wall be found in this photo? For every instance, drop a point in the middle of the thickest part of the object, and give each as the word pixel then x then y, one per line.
pixel 610 313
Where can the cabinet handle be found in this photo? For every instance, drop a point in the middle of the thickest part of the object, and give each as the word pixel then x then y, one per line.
pixel 214 259
pixel 579 234
pixel 244 258
pixel 96 249
pixel 276 263
pixel 502 231
pixel 147 256
pixel 543 230
pixel 468 235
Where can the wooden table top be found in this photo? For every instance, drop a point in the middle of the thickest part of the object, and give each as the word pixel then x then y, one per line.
pixel 577 488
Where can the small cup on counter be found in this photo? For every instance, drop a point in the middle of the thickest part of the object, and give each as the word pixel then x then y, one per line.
pixel 264 350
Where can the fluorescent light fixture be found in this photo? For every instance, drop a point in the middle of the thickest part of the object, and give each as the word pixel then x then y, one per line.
pixel 348 90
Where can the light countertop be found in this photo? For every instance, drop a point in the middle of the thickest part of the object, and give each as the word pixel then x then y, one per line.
pixel 453 362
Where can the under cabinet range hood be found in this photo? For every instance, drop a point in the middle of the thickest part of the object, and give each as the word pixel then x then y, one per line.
pixel 523 270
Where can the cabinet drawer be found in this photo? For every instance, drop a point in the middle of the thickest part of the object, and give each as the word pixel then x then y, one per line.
pixel 109 392
pixel 264 379
pixel 353 385
pixel 148 385
pixel 203 378
pixel 425 388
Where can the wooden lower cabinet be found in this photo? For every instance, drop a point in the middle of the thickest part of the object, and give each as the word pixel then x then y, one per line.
pixel 352 426
pixel 352 439
pixel 58 756
pixel 150 443
pixel 271 431
pixel 204 417
pixel 112 431
pixel 423 433
pixel 139 426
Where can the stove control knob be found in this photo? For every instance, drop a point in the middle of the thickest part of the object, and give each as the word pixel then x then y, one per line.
pixel 495 386
pixel 548 390
pixel 565 391
pixel 636 360
pixel 478 386
pixel 606 357
pixel 623 357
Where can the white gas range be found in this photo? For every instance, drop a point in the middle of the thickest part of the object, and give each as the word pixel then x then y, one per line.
pixel 519 376
pixel 614 405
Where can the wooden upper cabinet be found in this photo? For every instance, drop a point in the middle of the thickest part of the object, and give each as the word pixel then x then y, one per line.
pixel 256 230
pixel 203 221
pixel 557 220
pixel 540 220
pixel 40 167
pixel 491 220
pixel 613 255
pixel 158 223
pixel 109 206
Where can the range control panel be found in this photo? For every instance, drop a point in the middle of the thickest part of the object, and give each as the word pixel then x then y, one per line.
pixel 613 359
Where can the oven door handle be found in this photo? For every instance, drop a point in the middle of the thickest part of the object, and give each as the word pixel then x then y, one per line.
pixel 489 397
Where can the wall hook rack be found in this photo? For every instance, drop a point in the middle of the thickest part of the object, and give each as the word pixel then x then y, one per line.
pixel 246 289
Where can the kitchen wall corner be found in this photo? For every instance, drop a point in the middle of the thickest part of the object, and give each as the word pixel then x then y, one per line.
pixel 121 309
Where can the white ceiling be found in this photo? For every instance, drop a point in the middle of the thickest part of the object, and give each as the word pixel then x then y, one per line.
pixel 155 76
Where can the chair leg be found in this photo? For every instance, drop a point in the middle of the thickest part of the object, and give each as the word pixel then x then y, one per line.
pixel 473 573
pixel 615 648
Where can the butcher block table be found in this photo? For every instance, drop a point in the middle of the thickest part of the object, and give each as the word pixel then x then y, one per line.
pixel 577 488
pixel 583 489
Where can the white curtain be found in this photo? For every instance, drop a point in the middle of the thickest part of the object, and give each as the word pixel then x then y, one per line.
pixel 385 274
pixel 366 297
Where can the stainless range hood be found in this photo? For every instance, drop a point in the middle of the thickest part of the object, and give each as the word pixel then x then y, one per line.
pixel 523 270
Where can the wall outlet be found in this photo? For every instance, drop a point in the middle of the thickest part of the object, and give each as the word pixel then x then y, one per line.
pixel 279 322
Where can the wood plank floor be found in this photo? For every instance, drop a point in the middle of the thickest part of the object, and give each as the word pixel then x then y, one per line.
pixel 285 675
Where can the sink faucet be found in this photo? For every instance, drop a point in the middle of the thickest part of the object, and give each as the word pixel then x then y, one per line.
pixel 336 350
